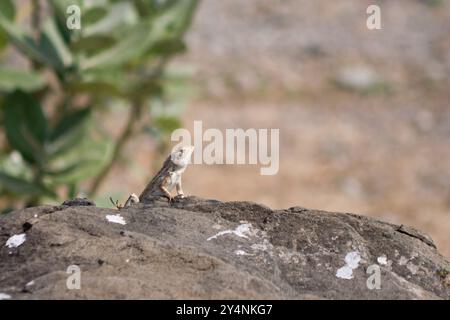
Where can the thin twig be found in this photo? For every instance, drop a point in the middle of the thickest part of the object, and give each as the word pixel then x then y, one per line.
pixel 36 19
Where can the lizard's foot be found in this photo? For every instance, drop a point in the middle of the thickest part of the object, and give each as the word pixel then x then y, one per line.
pixel 181 196
pixel 170 199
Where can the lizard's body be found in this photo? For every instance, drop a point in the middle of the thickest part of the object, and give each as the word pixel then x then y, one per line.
pixel 169 176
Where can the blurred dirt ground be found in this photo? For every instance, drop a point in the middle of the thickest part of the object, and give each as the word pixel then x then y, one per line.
pixel 364 116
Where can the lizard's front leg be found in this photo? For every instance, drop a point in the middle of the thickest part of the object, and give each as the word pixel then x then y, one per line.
pixel 163 188
pixel 179 189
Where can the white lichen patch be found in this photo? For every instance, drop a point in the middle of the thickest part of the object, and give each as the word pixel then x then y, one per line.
pixel 242 231
pixel 240 253
pixel 116 218
pixel 16 240
pixel 30 283
pixel 221 233
pixel 382 260
pixel 265 246
pixel 345 273
pixel 4 296
pixel 259 246
pixel 352 260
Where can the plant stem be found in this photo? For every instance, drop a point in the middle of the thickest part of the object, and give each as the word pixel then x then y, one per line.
pixel 35 200
pixel 126 134
pixel 36 18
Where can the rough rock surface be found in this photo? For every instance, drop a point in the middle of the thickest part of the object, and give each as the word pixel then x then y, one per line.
pixel 199 248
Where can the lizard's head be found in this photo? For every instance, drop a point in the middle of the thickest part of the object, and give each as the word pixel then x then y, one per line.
pixel 182 155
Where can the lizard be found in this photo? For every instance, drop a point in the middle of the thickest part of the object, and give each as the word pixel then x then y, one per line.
pixel 169 176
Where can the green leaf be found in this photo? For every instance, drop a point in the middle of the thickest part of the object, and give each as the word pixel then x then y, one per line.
pixel 11 79
pixel 69 169
pixel 101 82
pixel 118 83
pixel 21 40
pixel 59 10
pixel 65 143
pixel 25 126
pixel 93 44
pixel 175 19
pixel 81 162
pixel 134 43
pixel 66 33
pixel 53 43
pixel 100 89
pixel 69 123
pixel 71 190
pixel 169 26
pixel 167 124
pixel 120 16
pixel 60 6
pixel 13 164
pixel 3 40
pixel 50 50
pixel 68 133
pixel 93 15
pixel 169 47
pixel 145 8
pixel 19 186
pixel 7 9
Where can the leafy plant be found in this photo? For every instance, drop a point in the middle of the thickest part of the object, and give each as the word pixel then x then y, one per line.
pixel 50 111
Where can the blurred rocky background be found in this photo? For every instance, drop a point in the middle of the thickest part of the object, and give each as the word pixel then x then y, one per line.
pixel 364 115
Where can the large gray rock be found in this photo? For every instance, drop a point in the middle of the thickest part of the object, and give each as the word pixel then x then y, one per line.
pixel 205 249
